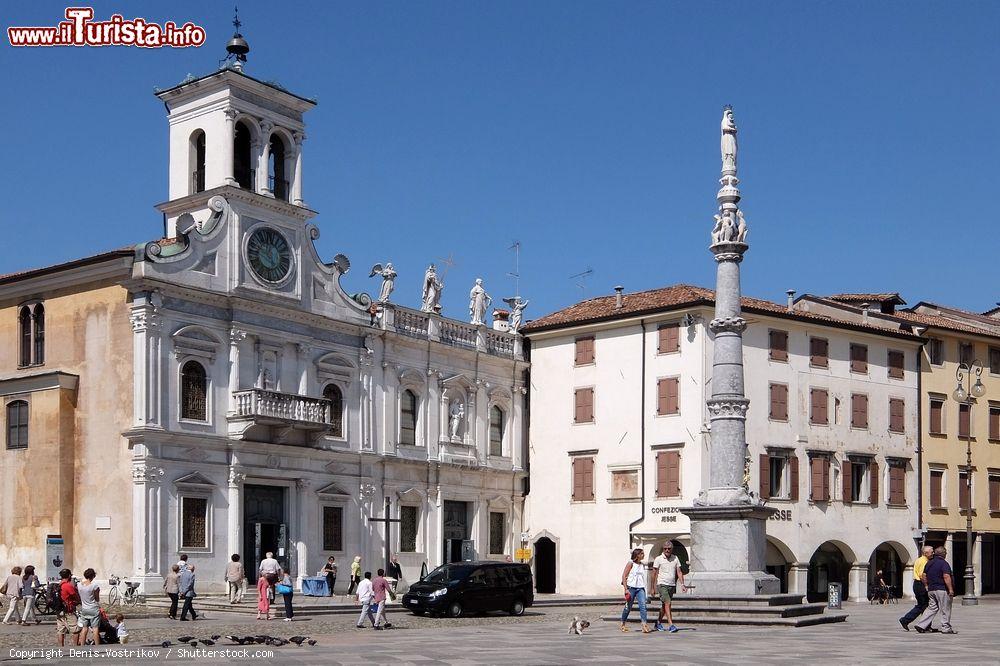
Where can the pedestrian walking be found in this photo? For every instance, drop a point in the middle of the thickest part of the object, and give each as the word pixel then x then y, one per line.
pixel 185 585
pixel 666 572
pixel 263 600
pixel 182 563
pixel 938 578
pixel 90 607
pixel 395 572
pixel 330 569
pixel 270 569
pixel 234 578
pixel 29 590
pixel 919 589
pixel 171 588
pixel 365 595
pixel 380 597
pixel 634 582
pixel 355 574
pixel 65 603
pixel 12 590
pixel 286 589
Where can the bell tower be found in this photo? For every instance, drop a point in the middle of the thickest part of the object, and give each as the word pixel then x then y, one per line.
pixel 228 129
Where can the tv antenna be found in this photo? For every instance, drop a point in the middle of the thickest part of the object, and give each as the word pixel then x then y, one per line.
pixel 448 263
pixel 581 278
pixel 516 246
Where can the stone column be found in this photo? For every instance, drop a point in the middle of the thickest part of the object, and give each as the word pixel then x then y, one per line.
pixel 858 581
pixel 798 578
pixel 228 149
pixel 234 516
pixel 146 396
pixel 146 527
pixel 297 173
pixel 305 366
pixel 264 158
pixel 236 336
pixel 303 521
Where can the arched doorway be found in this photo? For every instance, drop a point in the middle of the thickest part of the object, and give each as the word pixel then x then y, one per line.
pixel 682 554
pixel 829 564
pixel 545 566
pixel 890 558
pixel 778 560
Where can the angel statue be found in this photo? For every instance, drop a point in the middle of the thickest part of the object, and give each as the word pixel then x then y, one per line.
pixel 717 230
pixel 517 307
pixel 388 276
pixel 479 300
pixel 431 295
pixel 741 228
pixel 456 411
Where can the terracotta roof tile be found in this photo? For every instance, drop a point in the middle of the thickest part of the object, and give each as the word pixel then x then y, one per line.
pixel 946 323
pixel 868 298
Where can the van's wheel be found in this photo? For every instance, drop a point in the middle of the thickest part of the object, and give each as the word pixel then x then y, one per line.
pixel 454 609
pixel 517 608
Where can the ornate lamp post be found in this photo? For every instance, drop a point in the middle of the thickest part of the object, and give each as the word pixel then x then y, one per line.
pixel 964 396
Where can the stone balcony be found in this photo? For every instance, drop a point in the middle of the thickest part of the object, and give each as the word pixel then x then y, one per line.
pixel 434 327
pixel 263 407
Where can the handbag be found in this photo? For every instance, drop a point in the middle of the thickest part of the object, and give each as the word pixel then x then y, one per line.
pixel 281 588
pixel 3 589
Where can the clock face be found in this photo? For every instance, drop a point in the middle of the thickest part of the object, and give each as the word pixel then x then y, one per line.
pixel 269 255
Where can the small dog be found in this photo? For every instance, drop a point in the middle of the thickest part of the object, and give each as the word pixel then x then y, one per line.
pixel 578 626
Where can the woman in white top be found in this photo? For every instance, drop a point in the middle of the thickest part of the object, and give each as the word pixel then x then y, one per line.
pixel 634 582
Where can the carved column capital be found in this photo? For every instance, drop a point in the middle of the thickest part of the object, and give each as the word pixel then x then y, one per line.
pixel 237 335
pixel 729 408
pixel 728 324
pixel 143 473
pixel 265 127
pixel 231 112
pixel 299 137
pixel 237 475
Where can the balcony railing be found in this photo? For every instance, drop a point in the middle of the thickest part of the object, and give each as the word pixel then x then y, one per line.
pixel 429 326
pixel 273 408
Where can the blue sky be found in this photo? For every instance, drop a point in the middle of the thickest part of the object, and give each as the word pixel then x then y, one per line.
pixel 586 130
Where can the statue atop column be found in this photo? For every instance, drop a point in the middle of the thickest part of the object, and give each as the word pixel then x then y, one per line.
pixel 388 275
pixel 431 295
pixel 729 147
pixel 479 300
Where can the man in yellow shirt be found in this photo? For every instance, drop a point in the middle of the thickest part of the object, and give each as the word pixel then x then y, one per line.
pixel 919 589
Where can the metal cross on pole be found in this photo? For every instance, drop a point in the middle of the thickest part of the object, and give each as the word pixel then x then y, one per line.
pixel 387 523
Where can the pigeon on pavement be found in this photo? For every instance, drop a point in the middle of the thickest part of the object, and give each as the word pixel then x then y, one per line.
pixel 298 640
pixel 311 642
pixel 185 639
pixel 165 644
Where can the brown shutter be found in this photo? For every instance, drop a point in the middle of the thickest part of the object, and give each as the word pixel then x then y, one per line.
pixel 936 488
pixel 778 345
pixel 873 475
pixel 815 479
pixel 584 351
pixel 588 478
pixel 859 411
pixel 897 409
pixel 576 478
pixel 818 406
pixel 963 491
pixel 964 412
pixel 661 397
pixel 935 416
pixel 779 402
pixel 671 398
pixel 994 423
pixel 897 485
pixel 584 405
pixel 793 477
pixel 859 358
pixel 847 481
pixel 995 493
pixel 819 352
pixel 895 362
pixel 826 479
pixel 670 339
pixel 661 474
pixel 578 406
pixel 673 473
pixel 765 476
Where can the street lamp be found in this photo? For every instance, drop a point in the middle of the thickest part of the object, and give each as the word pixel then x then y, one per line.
pixel 964 396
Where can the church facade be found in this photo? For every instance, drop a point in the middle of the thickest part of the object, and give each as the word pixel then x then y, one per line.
pixel 217 391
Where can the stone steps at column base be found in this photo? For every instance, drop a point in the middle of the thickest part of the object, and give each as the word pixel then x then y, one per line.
pixel 743 619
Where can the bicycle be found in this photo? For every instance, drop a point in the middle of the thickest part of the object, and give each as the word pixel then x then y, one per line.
pixel 114 591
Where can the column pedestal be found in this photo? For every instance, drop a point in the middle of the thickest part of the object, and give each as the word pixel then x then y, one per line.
pixel 728 558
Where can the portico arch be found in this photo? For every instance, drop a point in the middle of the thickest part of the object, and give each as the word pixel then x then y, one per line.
pixel 778 561
pixel 892 559
pixel 830 563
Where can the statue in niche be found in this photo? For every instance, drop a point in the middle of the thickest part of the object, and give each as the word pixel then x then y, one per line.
pixel 729 147
pixel 264 378
pixel 431 294
pixel 456 412
pixel 479 300
pixel 517 307
pixel 388 275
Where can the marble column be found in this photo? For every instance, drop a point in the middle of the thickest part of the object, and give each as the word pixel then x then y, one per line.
pixel 798 578
pixel 236 337
pixel 858 582
pixel 228 148
pixel 303 519
pixel 234 514
pixel 264 158
pixel 297 172
pixel 147 527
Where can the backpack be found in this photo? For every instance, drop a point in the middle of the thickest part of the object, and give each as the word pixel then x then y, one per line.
pixel 53 597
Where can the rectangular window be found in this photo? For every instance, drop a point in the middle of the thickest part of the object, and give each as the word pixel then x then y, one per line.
pixel 856 481
pixel 936 416
pixel 194 522
pixel 819 479
pixel 779 402
pixel 936 483
pixel 965 420
pixel 584 351
pixel 859 359
pixel 583 479
pixel 778 345
pixel 408 418
pixel 669 339
pixel 935 351
pixel 775 467
pixel 819 405
pixel 963 490
pixel 859 410
pixel 408 528
pixel 667 396
pixel 584 405
pixel 333 528
pixel 994 421
pixel 17 424
pixel 994 492
pixel 897 483
pixel 498 538
pixel 995 360
pixel 668 474
pixel 897 411
pixel 625 484
pixel 819 352
pixel 895 361
pixel 966 353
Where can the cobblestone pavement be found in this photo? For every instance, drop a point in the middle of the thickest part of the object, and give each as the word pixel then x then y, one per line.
pixel 871 635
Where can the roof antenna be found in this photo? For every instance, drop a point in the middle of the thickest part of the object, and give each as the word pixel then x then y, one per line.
pixel 237 48
pixel 582 280
pixel 516 246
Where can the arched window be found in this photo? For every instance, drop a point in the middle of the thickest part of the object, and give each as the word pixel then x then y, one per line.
pixel 277 182
pixel 197 149
pixel 17 425
pixel 194 392
pixel 333 393
pixel 39 334
pixel 24 336
pixel 496 431
pixel 242 161
pixel 408 418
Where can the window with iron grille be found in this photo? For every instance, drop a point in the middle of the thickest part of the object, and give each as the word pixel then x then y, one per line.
pixel 408 529
pixel 935 351
pixel 333 528
pixel 497 535
pixel 408 418
pixel 194 392
pixel 333 393
pixel 17 424
pixel 194 522
pixel 496 431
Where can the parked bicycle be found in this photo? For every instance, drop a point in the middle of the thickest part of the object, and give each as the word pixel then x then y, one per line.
pixel 129 596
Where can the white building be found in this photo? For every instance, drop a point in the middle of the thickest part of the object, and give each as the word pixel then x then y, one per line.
pixel 622 441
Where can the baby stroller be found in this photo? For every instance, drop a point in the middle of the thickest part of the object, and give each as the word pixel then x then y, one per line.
pixel 108 632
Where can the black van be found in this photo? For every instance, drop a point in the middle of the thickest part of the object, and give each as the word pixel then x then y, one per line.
pixel 465 587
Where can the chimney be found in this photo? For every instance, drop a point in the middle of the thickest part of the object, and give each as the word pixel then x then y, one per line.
pixel 791 299
pixel 618 297
pixel 501 320
pixel 864 312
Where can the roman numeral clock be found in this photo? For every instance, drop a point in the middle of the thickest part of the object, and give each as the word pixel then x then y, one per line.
pixel 269 256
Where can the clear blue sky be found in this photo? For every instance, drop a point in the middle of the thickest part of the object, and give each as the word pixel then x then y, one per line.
pixel 587 130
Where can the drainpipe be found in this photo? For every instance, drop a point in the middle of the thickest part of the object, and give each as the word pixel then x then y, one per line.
pixel 642 437
pixel 920 441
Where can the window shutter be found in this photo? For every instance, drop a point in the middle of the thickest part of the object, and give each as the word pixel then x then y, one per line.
pixel 661 397
pixel 995 493
pixel 584 405
pixel 672 397
pixel 873 475
pixel 897 485
pixel 818 352
pixel 897 410
pixel 846 478
pixel 778 345
pixel 670 339
pixel 859 358
pixel 765 476
pixel 964 412
pixel 895 362
pixel 673 473
pixel 779 402
pixel 819 404
pixel 963 491
pixel 577 476
pixel 584 351
pixel 936 488
pixel 661 474
pixel 859 411
pixel 994 423
pixel 793 477
pixel 588 478
pixel 826 480
pixel 936 408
